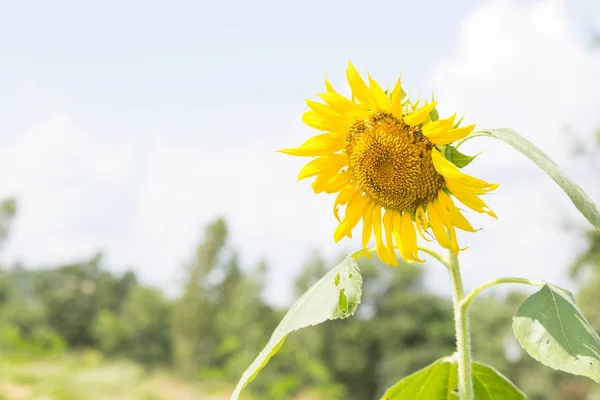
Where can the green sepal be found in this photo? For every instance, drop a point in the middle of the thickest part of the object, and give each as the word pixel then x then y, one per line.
pixel 457 158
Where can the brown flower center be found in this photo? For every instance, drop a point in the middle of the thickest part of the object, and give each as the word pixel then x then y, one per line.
pixel 392 162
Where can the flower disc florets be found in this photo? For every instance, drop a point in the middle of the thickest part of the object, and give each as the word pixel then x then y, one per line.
pixel 391 161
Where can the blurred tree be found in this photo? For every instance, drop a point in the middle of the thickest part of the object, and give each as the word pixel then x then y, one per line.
pixel 8 209
pixel 141 331
pixel 194 332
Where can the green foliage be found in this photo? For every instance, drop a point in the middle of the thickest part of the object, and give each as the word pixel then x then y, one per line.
pixel 457 158
pixel 578 196
pixel 194 315
pixel 141 331
pixel 553 330
pixel 41 341
pixel 321 302
pixel 439 381
pixel 8 209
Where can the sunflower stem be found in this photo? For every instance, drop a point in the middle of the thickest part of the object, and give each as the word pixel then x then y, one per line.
pixel 461 321
pixel 435 255
pixel 467 300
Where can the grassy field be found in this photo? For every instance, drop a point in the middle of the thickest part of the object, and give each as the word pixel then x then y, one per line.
pixel 88 377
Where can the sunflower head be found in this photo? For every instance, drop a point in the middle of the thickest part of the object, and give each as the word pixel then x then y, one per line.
pixel 383 156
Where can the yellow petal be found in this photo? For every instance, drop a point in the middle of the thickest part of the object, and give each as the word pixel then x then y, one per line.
pixel 409 238
pixel 452 214
pixel 397 101
pixel 357 114
pixel 354 211
pixel 442 125
pixel 314 120
pixel 379 245
pixel 328 86
pixel 323 163
pixel 324 110
pixel 397 225
pixel 449 227
pixel 342 198
pixel 321 183
pixel 359 88
pixel 460 186
pixel 450 136
pixel 437 226
pixel 338 182
pixel 452 172
pixel 420 115
pixel 367 228
pixel 381 99
pixel 320 145
pixel 389 231
pixel 421 223
pixel 338 102
pixel 470 200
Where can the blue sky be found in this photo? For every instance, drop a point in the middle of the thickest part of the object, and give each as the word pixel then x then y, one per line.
pixel 126 126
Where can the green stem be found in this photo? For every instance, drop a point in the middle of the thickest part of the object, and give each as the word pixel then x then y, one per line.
pixel 466 302
pixel 461 321
pixel 435 255
pixel 473 135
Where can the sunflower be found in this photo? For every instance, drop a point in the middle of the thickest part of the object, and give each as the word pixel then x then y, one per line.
pixel 384 156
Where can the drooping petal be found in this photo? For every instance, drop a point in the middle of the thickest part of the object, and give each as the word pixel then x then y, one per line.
pixel 451 213
pixel 354 211
pixel 452 172
pixel 367 228
pixel 382 252
pixel 470 200
pixel 342 198
pixel 359 88
pixel 409 239
pixel 437 226
pixel 397 225
pixel 421 223
pixel 449 227
pixel 320 145
pixel 389 231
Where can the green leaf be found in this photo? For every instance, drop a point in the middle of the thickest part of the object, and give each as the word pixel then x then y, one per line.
pixel 439 381
pixel 457 158
pixel 551 328
pixel 489 384
pixel 334 296
pixel 578 196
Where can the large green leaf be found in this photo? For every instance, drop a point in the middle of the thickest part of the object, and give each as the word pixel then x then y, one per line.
pixel 551 328
pixel 490 384
pixel 439 381
pixel 334 296
pixel 578 196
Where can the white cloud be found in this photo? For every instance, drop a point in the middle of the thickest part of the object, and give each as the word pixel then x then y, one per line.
pixel 523 67
pixel 145 196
